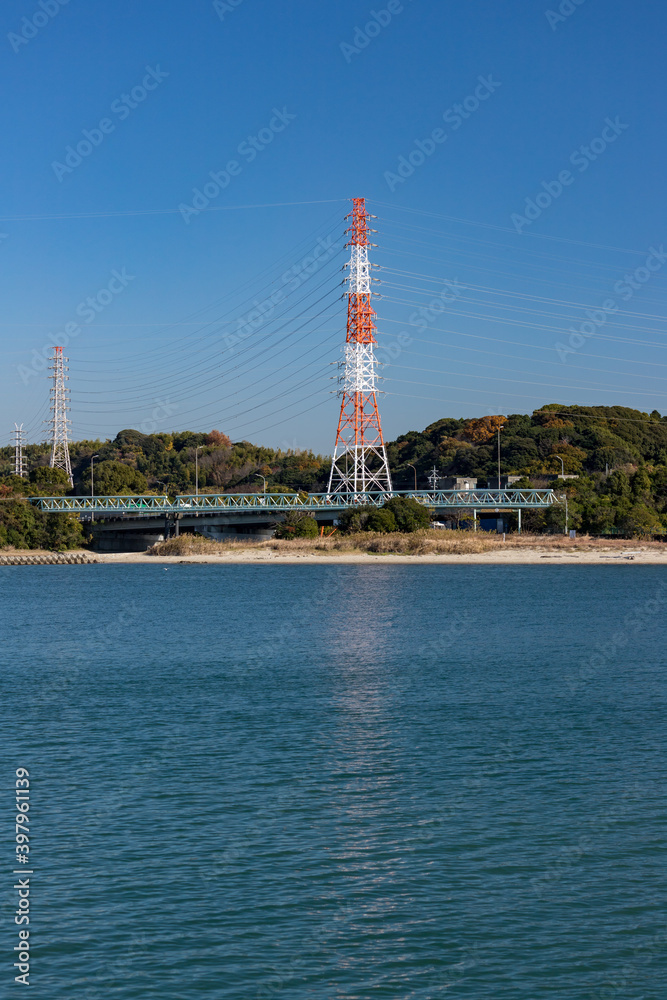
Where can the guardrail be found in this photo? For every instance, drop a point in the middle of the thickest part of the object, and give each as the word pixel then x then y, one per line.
pixel 102 505
pixel 211 503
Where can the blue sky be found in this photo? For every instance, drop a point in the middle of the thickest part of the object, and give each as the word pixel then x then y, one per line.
pixel 331 97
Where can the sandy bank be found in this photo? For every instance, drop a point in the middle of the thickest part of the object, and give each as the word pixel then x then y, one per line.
pixel 498 557
pixel 368 548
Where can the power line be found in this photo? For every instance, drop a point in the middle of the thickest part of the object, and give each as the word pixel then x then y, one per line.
pixel 163 211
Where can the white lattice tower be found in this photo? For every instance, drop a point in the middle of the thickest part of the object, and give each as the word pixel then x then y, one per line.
pixel 59 422
pixel 359 462
pixel 20 465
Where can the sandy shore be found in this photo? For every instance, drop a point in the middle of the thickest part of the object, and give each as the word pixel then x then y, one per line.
pixel 609 557
pixel 552 552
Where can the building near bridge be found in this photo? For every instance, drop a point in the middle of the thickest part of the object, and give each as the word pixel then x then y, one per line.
pixel 457 483
pixel 504 483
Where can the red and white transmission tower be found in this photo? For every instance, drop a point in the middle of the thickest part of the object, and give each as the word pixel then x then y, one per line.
pixel 360 460
pixel 59 422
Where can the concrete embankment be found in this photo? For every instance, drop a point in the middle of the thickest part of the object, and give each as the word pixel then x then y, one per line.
pixel 46 559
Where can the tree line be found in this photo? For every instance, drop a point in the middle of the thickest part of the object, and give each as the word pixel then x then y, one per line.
pixel 619 456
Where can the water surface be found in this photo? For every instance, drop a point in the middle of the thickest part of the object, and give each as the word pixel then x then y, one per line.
pixel 339 781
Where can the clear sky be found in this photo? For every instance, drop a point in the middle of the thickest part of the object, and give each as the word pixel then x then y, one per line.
pixel 447 117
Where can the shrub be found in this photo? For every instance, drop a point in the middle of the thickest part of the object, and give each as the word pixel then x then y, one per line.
pixel 409 515
pixel 298 525
pixel 381 520
pixel 397 514
pixel 355 518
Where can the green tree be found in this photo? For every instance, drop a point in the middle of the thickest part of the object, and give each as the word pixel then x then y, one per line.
pixel 381 520
pixel 50 480
pixel 641 520
pixel 409 515
pixel 599 517
pixel 298 525
pixel 618 484
pixel 115 479
pixel 22 526
pixel 355 518
pixel 640 486
pixel 63 531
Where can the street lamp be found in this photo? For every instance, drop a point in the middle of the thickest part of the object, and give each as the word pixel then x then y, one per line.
pixel 562 464
pixel 499 430
pixel 92 487
pixel 197 450
pixel 412 467
pixel 260 476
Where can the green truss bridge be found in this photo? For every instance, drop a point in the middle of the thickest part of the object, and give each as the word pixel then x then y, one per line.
pixel 275 503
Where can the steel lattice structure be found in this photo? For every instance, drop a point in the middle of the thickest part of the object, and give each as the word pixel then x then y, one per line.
pixel 359 461
pixel 59 422
pixel 20 465
pixel 211 503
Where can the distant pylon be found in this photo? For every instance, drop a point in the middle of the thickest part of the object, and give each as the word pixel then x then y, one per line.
pixel 59 422
pixel 20 465
pixel 360 460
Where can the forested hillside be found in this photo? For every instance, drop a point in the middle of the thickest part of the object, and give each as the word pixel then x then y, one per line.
pixel 588 438
pixel 138 463
pixel 619 455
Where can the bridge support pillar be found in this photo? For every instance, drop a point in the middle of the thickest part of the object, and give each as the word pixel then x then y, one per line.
pixel 519 520
pixel 474 520
pixel 172 526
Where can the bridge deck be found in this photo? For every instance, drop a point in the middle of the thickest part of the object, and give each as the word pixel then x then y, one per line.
pixel 209 503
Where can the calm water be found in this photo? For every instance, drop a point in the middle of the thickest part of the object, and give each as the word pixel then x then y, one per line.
pixel 339 782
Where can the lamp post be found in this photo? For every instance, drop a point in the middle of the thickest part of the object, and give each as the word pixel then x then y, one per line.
pixel 499 430
pixel 564 497
pixel 92 486
pixel 412 467
pixel 260 476
pixel 562 465
pixel 197 450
